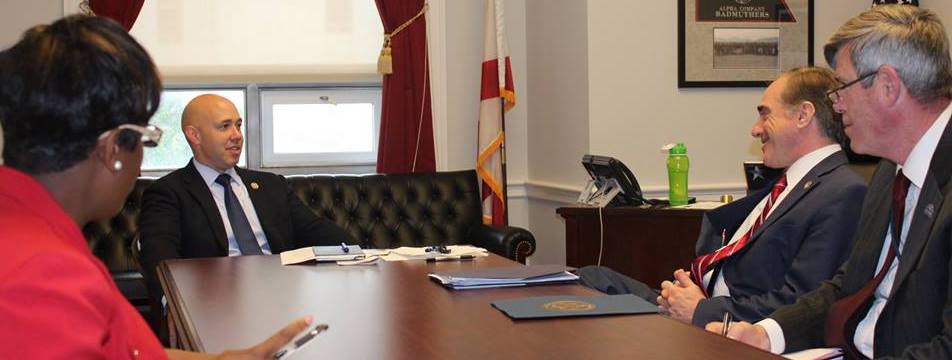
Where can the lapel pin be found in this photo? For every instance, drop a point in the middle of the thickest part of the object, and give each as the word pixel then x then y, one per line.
pixel 929 210
pixel 808 184
pixel 254 185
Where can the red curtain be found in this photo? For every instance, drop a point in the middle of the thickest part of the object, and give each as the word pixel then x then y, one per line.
pixel 406 124
pixel 125 12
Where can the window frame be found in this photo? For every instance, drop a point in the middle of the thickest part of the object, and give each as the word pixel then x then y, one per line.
pixel 271 160
pixel 253 144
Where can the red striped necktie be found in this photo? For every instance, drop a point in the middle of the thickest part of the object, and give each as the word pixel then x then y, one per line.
pixel 703 263
pixel 845 310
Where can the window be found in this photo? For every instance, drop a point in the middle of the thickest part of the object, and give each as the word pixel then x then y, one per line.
pixel 256 51
pixel 319 126
pixel 173 151
pixel 310 128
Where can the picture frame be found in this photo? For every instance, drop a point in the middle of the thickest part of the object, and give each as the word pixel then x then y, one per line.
pixel 742 43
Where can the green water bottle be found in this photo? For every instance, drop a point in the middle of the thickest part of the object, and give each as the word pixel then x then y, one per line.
pixel 678 164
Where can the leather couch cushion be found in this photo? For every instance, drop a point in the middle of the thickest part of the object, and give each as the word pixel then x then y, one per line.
pixel 389 211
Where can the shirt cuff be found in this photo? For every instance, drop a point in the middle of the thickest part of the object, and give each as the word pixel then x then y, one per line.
pixel 774 334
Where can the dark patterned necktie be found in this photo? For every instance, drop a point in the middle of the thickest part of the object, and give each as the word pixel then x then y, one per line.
pixel 702 263
pixel 240 226
pixel 845 310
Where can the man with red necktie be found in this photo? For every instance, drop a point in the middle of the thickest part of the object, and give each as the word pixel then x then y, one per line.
pixel 761 252
pixel 892 296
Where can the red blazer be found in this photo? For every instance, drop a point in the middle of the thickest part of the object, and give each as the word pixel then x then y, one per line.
pixel 57 300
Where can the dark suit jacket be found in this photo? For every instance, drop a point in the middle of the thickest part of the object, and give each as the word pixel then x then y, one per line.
pixel 179 219
pixel 801 244
pixel 917 320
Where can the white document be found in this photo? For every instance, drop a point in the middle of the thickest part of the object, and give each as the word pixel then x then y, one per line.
pixel 370 256
pixel 473 283
pixel 297 256
pixel 704 205
pixel 323 253
pixel 419 253
pixel 503 276
pixel 816 354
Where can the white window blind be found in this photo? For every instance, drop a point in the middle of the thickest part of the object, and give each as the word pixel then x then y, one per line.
pixel 254 40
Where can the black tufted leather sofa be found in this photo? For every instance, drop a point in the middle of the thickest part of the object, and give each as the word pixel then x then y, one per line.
pixel 379 211
pixel 114 242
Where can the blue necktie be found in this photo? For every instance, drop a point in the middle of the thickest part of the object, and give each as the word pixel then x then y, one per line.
pixel 239 222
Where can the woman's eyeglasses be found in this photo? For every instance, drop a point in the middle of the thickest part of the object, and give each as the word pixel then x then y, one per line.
pixel 150 134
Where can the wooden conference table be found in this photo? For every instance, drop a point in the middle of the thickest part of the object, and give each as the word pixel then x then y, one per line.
pixel 393 311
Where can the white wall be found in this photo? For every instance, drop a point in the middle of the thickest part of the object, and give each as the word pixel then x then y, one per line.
pixel 633 103
pixel 464 53
pixel 559 126
pixel 463 56
pixel 636 105
pixel 16 16
pixel 941 7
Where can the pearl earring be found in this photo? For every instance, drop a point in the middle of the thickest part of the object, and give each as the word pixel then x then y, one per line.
pixel 117 165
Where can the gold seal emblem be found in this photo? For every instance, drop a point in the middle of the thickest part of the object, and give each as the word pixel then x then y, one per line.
pixel 254 186
pixel 568 305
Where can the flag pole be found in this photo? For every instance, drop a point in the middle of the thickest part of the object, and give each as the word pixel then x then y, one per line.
pixel 502 158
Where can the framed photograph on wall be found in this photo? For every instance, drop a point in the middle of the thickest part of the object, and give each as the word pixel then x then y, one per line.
pixel 742 43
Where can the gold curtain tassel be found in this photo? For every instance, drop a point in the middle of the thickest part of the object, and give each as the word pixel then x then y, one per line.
pixel 85 9
pixel 385 60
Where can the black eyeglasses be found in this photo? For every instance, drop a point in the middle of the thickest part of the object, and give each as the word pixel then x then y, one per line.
pixel 834 94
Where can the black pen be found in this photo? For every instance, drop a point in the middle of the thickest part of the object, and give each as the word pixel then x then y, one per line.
pixel 728 318
pixel 448 258
pixel 344 248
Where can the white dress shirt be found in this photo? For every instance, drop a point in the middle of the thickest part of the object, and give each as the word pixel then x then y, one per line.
pixel 914 168
pixel 795 172
pixel 218 193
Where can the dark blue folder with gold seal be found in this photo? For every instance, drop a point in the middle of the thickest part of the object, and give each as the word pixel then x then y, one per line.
pixel 571 305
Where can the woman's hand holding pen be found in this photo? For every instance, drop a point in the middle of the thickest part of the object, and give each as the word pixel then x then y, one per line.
pixel 743 331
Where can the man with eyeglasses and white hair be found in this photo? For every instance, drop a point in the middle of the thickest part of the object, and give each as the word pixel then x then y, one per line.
pixel 892 296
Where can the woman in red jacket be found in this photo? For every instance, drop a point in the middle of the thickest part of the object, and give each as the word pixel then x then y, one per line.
pixel 75 99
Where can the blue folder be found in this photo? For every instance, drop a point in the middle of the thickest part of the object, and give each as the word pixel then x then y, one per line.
pixel 570 305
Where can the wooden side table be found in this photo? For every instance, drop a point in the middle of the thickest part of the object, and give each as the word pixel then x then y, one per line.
pixel 645 244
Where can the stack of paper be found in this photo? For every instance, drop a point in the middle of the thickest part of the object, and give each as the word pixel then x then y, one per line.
pixel 455 252
pixel 358 256
pixel 323 253
pixel 816 354
pixel 504 277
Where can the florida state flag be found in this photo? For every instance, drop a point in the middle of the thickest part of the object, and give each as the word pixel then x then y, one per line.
pixel 497 95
